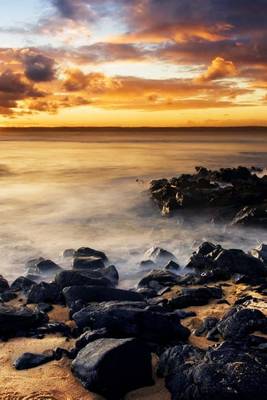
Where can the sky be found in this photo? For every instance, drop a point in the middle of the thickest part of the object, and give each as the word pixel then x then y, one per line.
pixel 133 62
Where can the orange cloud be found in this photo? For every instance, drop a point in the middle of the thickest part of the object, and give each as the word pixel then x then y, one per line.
pixel 218 69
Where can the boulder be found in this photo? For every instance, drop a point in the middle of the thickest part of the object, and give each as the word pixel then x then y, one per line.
pixel 7 296
pixel 252 216
pixel 22 284
pixel 240 322
pixel 231 371
pixel 88 252
pixel 88 294
pixel 44 293
pixel 128 320
pixel 260 252
pixel 3 284
pixel 90 336
pixel 43 267
pixel 172 266
pixel 158 255
pixel 17 321
pixel 113 367
pixel 195 297
pixel 32 360
pixel 88 263
pixel 157 279
pixel 68 253
pixel 81 278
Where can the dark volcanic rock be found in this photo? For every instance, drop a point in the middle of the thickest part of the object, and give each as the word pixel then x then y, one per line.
pixel 80 278
pixel 17 321
pixel 195 297
pixel 158 255
pixel 88 294
pixel 88 263
pixel 157 279
pixel 127 320
pixel 172 266
pixel 7 296
pixel 68 253
pixel 22 284
pixel 42 267
pixel 260 252
pixel 208 324
pixel 221 192
pixel 88 252
pixel 3 284
pixel 45 293
pixel 90 336
pixel 231 371
pixel 240 322
pixel 32 360
pixel 113 367
pixel 252 216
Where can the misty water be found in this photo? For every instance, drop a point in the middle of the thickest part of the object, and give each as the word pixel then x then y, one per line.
pixel 69 189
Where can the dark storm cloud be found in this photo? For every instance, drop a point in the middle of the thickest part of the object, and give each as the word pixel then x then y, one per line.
pixel 39 68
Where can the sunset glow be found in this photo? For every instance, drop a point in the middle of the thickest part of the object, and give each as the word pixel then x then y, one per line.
pixel 133 63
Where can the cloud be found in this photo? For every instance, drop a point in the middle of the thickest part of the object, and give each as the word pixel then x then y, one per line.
pixel 74 10
pixel 38 68
pixel 218 69
pixel 14 88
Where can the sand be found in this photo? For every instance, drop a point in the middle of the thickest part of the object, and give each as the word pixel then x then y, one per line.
pixel 54 381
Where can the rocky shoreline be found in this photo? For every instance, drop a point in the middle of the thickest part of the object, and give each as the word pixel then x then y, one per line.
pixel 200 331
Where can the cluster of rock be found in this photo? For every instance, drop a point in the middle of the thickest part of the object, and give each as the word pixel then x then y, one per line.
pixel 235 194
pixel 116 331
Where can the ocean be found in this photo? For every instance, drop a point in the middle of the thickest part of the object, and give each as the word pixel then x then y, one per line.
pixel 71 188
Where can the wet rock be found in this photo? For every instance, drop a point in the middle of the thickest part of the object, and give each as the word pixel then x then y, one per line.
pixel 112 274
pixel 3 284
pixel 52 327
pixel 88 294
pixel 130 321
pixel 158 255
pixel 68 253
pixel 113 367
pixel 195 297
pixel 157 279
pixel 88 263
pixel 252 216
pixel 80 278
pixel 229 371
pixel 172 266
pixel 207 325
pixel 32 360
pixel 88 252
pixel 240 322
pixel 90 336
pixel 22 284
pixel 44 307
pixel 260 252
pixel 43 267
pixel 7 296
pixel 45 293
pixel 17 321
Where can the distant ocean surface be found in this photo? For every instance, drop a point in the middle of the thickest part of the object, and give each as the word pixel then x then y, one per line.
pixel 66 189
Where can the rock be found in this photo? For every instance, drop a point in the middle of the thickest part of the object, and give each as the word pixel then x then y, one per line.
pixel 207 325
pixel 81 278
pixel 260 252
pixel 52 327
pixel 43 267
pixel 44 293
pixel 147 263
pixel 172 266
pixel 44 307
pixel 252 216
pixel 90 336
pixel 88 252
pixel 3 284
pixel 158 255
pixel 112 274
pixel 88 294
pixel 7 296
pixel 68 253
pixel 113 367
pixel 127 320
pixel 195 297
pixel 240 322
pixel 88 263
pixel 17 321
pixel 206 248
pixel 32 360
pixel 22 284
pixel 236 261
pixel 157 279
pixel 229 371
